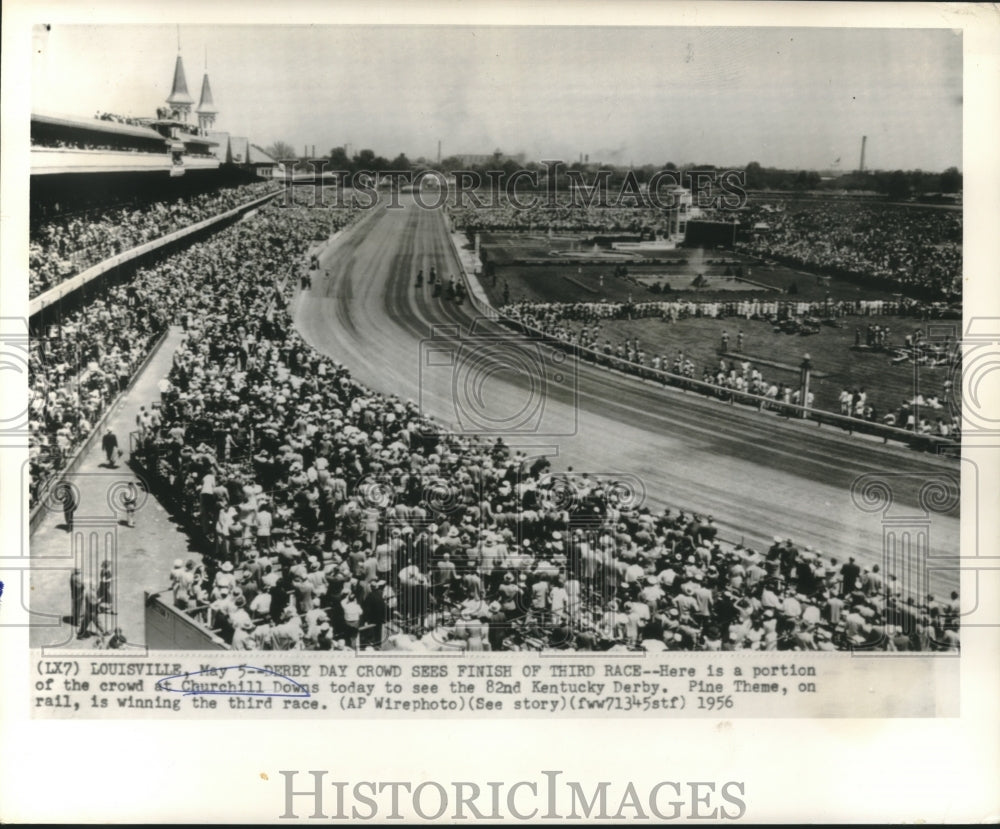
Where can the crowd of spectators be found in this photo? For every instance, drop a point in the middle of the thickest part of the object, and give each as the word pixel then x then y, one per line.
pixel 564 215
pixel 119 119
pixel 76 369
pixel 514 558
pixel 578 325
pixel 78 366
pixel 906 247
pixel 355 523
pixel 331 516
pixel 926 414
pixel 773 310
pixel 63 246
pixel 82 144
pixel 912 248
pixel 581 330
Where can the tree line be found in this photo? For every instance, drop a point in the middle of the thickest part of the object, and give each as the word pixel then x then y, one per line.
pixel 895 184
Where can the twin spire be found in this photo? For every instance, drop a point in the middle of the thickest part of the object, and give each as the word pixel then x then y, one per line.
pixel 206 106
pixel 179 96
pixel 180 99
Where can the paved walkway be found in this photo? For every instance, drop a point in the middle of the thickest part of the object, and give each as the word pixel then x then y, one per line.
pixel 141 556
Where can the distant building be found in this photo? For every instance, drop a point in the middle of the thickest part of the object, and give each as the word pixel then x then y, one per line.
pixel 167 143
pixel 496 157
pixel 703 233
pixel 221 150
pixel 261 163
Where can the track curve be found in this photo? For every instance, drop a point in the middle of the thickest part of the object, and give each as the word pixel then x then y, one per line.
pixel 757 474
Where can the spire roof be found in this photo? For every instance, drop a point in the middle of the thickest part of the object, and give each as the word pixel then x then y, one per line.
pixel 179 94
pixel 206 105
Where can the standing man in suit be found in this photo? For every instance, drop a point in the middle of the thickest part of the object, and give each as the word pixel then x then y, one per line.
pixel 69 503
pixel 850 573
pixel 109 443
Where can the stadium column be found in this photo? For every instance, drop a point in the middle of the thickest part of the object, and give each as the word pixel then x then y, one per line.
pixel 906 533
pixel 94 540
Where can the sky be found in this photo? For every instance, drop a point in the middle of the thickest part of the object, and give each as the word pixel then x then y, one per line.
pixel 793 98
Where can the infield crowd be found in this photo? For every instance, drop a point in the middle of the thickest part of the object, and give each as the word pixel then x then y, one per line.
pixel 909 247
pixel 887 245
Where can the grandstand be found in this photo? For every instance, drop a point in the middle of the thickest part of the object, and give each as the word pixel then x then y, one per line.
pixel 110 195
pixel 70 155
pixel 163 167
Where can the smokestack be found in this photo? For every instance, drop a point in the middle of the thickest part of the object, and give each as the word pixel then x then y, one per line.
pixel 314 151
pixel 305 151
pixel 864 140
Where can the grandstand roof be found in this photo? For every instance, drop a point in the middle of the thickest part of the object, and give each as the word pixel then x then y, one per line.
pixel 94 125
pixel 221 148
pixel 206 105
pixel 179 93
pixel 258 156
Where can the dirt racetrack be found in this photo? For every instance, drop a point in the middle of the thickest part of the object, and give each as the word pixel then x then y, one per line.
pixel 758 475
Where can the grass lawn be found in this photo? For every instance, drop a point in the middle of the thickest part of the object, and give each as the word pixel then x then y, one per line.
pixel 887 385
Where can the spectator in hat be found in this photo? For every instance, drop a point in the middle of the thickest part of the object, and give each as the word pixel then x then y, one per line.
pixel 243 636
pixel 497 626
pixel 130 500
pixel 559 606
